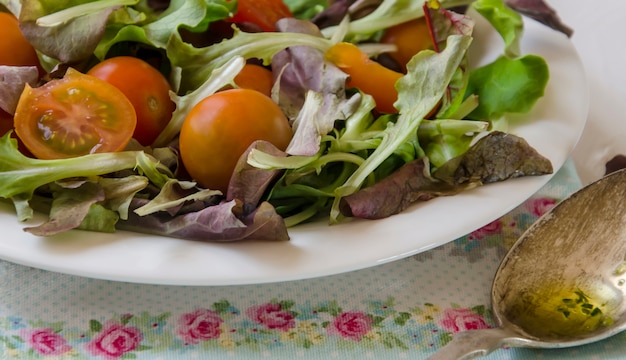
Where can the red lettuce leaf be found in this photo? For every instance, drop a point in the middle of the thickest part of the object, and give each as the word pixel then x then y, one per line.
pixel 540 11
pixel 395 193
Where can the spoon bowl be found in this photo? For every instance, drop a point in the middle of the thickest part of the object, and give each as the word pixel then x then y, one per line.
pixel 563 283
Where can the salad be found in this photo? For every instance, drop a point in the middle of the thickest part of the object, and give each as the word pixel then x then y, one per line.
pixel 331 112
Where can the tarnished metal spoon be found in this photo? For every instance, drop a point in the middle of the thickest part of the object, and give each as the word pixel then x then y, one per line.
pixel 562 283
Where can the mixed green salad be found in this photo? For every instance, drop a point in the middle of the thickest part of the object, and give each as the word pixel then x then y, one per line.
pixel 347 156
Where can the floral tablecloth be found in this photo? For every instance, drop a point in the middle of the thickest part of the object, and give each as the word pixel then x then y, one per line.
pixel 406 309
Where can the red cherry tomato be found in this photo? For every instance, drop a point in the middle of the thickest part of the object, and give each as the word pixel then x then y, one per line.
pixel 219 129
pixel 145 87
pixel 15 50
pixel 263 13
pixel 76 115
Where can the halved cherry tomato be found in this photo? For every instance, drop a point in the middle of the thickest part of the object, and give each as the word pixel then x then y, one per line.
pixel 263 13
pixel 410 38
pixel 15 50
pixel 369 76
pixel 255 77
pixel 219 129
pixel 76 115
pixel 145 87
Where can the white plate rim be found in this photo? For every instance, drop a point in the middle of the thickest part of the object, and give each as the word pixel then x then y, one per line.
pixel 553 127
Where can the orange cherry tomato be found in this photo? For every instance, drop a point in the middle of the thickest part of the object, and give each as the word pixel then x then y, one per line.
pixel 255 77
pixel 263 13
pixel 145 87
pixel 410 38
pixel 369 76
pixel 15 50
pixel 219 129
pixel 76 115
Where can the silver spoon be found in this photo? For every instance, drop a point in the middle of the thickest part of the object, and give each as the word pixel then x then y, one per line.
pixel 563 282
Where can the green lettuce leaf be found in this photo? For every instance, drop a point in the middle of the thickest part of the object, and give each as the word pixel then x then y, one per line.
pixel 507 22
pixel 508 86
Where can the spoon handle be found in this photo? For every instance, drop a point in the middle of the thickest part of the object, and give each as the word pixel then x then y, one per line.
pixel 472 344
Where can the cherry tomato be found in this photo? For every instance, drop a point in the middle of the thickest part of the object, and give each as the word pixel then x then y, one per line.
pixel 219 129
pixel 255 77
pixel 369 76
pixel 145 87
pixel 410 38
pixel 263 13
pixel 76 115
pixel 15 50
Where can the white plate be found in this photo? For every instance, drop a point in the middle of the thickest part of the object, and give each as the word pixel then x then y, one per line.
pixel 317 249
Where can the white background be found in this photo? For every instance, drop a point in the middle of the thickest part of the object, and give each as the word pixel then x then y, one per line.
pixel 599 38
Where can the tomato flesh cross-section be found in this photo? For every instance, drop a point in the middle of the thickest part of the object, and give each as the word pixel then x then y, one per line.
pixel 73 116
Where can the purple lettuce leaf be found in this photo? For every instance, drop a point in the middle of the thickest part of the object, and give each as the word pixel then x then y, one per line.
pixel 540 11
pixel 223 222
pixel 69 208
pixel 12 82
pixel 248 183
pixel 393 194
pixel 68 42
pixel 496 157
pixel 306 78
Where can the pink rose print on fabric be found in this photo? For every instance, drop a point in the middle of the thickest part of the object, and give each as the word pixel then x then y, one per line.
pixel 272 316
pixel 492 228
pixel 115 340
pixel 200 325
pixel 351 325
pixel 540 206
pixel 455 320
pixel 45 341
